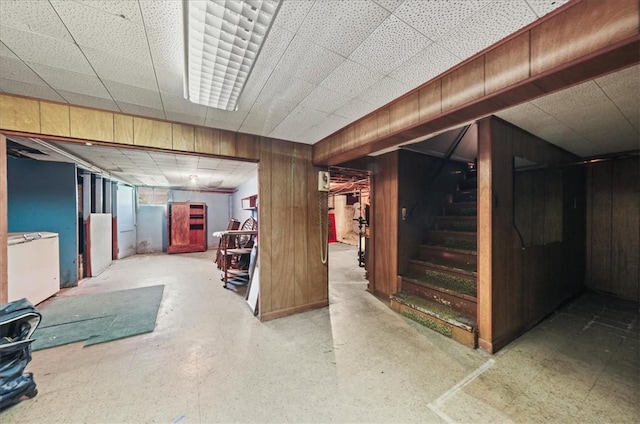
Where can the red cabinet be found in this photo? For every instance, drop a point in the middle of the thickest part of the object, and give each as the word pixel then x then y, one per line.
pixel 187 224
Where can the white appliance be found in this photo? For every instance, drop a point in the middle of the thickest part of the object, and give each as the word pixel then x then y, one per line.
pixel 33 265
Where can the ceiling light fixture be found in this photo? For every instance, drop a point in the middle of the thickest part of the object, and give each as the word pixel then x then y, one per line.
pixel 222 40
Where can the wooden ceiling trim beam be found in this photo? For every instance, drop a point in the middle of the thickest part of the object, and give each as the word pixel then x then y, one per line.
pixel 580 41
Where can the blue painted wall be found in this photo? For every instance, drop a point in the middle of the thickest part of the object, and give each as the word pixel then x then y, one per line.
pixel 42 197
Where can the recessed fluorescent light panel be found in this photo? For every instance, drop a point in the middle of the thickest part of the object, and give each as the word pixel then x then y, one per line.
pixel 222 41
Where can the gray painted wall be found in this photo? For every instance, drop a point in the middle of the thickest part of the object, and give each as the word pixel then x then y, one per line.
pixel 245 190
pixel 151 229
pixel 126 221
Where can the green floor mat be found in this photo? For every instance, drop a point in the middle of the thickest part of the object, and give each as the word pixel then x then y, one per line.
pixel 98 318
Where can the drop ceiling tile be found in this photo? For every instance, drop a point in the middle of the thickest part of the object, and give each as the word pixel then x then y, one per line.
pixel 223 125
pixel 493 23
pixel 291 14
pixel 33 16
pixel 327 127
pixel 134 109
pixel 294 126
pixel 327 23
pixel 435 18
pixel 274 46
pixel 166 48
pixel 542 7
pixel 179 104
pixel 281 86
pixel 384 91
pixel 134 95
pixel 351 78
pixel 17 70
pixel 124 9
pixel 390 5
pixel 31 47
pixel 120 69
pixel 424 66
pixel 308 61
pixel 30 90
pixel 260 124
pixel 60 79
pixel 6 52
pixel 324 100
pixel 170 82
pixel 354 109
pixel 89 101
pixel 392 43
pixel 622 88
pixel 103 31
pixel 162 13
pixel 253 87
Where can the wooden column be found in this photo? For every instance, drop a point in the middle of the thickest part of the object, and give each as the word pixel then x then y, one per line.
pixel 485 212
pixel 4 275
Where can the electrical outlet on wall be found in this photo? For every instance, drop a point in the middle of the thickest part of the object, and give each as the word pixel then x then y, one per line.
pixel 323 181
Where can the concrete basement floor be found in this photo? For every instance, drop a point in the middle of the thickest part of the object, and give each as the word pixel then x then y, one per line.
pixel 210 360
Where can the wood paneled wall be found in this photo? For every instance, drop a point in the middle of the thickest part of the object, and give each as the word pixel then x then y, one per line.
pixel 613 227
pixel 4 273
pixel 518 286
pixel 293 279
pixel 596 36
pixel 383 267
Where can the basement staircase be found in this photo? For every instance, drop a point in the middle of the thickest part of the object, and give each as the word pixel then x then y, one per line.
pixel 439 288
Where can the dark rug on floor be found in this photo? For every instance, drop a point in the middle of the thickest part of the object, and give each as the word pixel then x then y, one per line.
pixel 98 318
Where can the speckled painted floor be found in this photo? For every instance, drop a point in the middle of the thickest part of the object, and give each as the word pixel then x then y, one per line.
pixel 210 360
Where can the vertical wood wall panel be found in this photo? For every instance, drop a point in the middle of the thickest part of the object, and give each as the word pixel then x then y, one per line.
pixel 122 129
pixel 384 227
pixel 152 133
pixel 431 100
pixel 19 114
pixel 507 64
pixel 485 235
pixel 299 211
pixel 91 124
pixel 613 228
pixel 283 243
pixel 54 119
pixel 265 227
pixel 463 85
pixel 4 275
pixel 183 137
pixel 227 143
pixel 247 146
pixel 317 238
pixel 600 193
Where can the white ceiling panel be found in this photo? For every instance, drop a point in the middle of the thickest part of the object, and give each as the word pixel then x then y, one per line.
pixel 134 95
pixel 292 14
pixel 354 109
pixel 89 101
pixel 122 70
pixel 5 52
pixel 94 28
pixel 60 79
pixel 170 82
pixel 161 13
pixel 178 104
pixel 31 47
pixel 274 47
pixel 17 70
pixel 328 21
pixel 324 100
pixel 434 18
pixel 491 24
pixel 124 9
pixel 29 90
pixel 308 61
pixel 383 92
pixel 166 49
pixel 542 7
pixel 298 122
pixel 390 5
pixel 390 44
pixel 262 123
pixel 284 87
pixel 134 109
pixel 351 78
pixel 618 86
pixel 33 16
pixel 429 63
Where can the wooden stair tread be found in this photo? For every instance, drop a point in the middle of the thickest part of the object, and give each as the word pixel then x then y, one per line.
pixel 438 310
pixel 466 290
pixel 445 265
pixel 448 249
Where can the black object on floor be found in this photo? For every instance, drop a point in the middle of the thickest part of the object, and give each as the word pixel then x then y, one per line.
pixel 18 321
